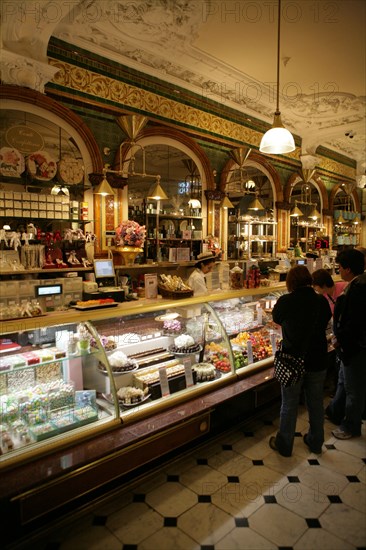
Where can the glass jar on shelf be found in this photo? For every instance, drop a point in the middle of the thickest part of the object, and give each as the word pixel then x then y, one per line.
pixel 236 277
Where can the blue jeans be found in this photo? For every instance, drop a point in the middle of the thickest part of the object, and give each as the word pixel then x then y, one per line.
pixel 313 384
pixel 348 404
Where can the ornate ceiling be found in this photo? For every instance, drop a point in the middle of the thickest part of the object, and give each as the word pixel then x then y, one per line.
pixel 225 51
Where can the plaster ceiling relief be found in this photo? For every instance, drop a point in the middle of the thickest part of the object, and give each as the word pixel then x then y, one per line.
pixel 226 52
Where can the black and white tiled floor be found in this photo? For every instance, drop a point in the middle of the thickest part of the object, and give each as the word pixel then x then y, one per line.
pixel 235 493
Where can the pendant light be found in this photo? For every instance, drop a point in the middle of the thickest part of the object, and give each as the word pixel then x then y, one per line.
pixel 341 219
pixel 314 214
pixel 295 211
pixel 255 204
pixel 157 193
pixel 104 188
pixel 277 140
pixel 226 203
pixel 194 203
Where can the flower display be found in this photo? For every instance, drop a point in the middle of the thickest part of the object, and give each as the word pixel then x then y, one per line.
pixel 130 233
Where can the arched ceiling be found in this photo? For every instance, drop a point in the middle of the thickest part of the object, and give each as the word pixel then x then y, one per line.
pixel 226 50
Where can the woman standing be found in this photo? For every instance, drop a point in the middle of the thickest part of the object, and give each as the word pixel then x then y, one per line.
pixel 205 263
pixel 303 315
pixel 324 284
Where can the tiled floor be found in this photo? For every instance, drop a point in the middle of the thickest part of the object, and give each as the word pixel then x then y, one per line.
pixel 235 493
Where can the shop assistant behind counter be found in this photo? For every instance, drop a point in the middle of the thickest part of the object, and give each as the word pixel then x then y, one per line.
pixel 197 279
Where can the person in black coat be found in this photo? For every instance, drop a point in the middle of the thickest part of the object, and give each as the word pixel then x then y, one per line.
pixel 303 315
pixel 348 404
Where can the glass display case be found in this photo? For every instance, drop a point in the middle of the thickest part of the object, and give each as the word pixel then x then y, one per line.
pixel 60 382
pixel 250 238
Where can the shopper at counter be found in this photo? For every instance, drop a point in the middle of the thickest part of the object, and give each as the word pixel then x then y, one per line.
pixel 205 263
pixel 348 404
pixel 324 284
pixel 303 315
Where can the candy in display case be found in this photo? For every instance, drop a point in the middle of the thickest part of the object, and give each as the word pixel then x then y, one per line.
pixel 42 390
pixel 63 382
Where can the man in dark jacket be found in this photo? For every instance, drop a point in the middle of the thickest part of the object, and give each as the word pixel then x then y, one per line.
pixel 347 406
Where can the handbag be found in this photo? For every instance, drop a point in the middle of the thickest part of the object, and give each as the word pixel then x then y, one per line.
pixel 288 368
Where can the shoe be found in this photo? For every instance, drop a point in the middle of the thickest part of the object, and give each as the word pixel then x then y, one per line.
pixel 315 451
pixel 329 417
pixel 341 434
pixel 272 444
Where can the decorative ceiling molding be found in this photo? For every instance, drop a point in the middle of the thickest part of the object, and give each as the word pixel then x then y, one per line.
pixel 19 70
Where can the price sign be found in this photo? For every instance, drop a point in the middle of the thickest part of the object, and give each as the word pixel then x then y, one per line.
pixel 250 352
pixel 164 384
pixel 188 372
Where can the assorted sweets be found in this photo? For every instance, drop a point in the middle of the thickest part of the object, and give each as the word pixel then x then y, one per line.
pixel 129 395
pixel 40 411
pixel 204 372
pixel 36 403
pixel 184 344
pixel 119 362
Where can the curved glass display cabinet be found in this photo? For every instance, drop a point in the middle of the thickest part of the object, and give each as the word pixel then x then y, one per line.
pixel 62 382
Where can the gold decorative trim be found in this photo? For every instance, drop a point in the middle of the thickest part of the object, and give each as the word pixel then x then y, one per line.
pixel 127 95
pixel 335 167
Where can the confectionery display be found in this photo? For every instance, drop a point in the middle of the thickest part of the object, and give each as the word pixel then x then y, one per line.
pixel 119 363
pixel 184 344
pixel 52 385
pixel 260 340
pixel 108 343
pixel 218 355
pixel 130 395
pixel 204 372
pixel 172 326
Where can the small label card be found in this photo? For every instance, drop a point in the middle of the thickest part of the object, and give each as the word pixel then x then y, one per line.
pixel 250 352
pixel 188 372
pixel 164 384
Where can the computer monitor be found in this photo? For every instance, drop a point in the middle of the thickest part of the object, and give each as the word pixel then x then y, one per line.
pixel 104 269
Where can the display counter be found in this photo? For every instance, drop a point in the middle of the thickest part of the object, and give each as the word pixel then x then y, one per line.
pixel 117 386
pixel 67 375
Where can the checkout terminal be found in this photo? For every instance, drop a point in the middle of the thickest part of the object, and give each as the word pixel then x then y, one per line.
pixel 105 282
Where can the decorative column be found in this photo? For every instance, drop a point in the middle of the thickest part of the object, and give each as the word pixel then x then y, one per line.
pixel 283 228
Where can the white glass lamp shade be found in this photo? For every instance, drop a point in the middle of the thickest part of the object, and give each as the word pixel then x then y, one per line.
pixel 277 140
pixel 194 203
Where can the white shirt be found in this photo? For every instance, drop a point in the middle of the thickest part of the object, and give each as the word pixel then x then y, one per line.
pixel 197 282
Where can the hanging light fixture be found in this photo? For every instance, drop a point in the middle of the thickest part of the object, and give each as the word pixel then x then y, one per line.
pixel 255 204
pixel 341 219
pixel 60 190
pixel 249 184
pixel 295 211
pixel 194 203
pixel 314 214
pixel 226 203
pixel 277 140
pixel 104 187
pixel 157 193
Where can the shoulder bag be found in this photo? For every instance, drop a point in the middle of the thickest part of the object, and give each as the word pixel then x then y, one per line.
pixel 288 368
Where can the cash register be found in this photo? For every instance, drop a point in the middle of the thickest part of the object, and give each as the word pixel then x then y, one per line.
pixel 105 282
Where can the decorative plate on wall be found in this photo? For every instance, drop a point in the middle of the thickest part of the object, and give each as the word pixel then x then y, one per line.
pixel 12 162
pixel 70 170
pixel 41 166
